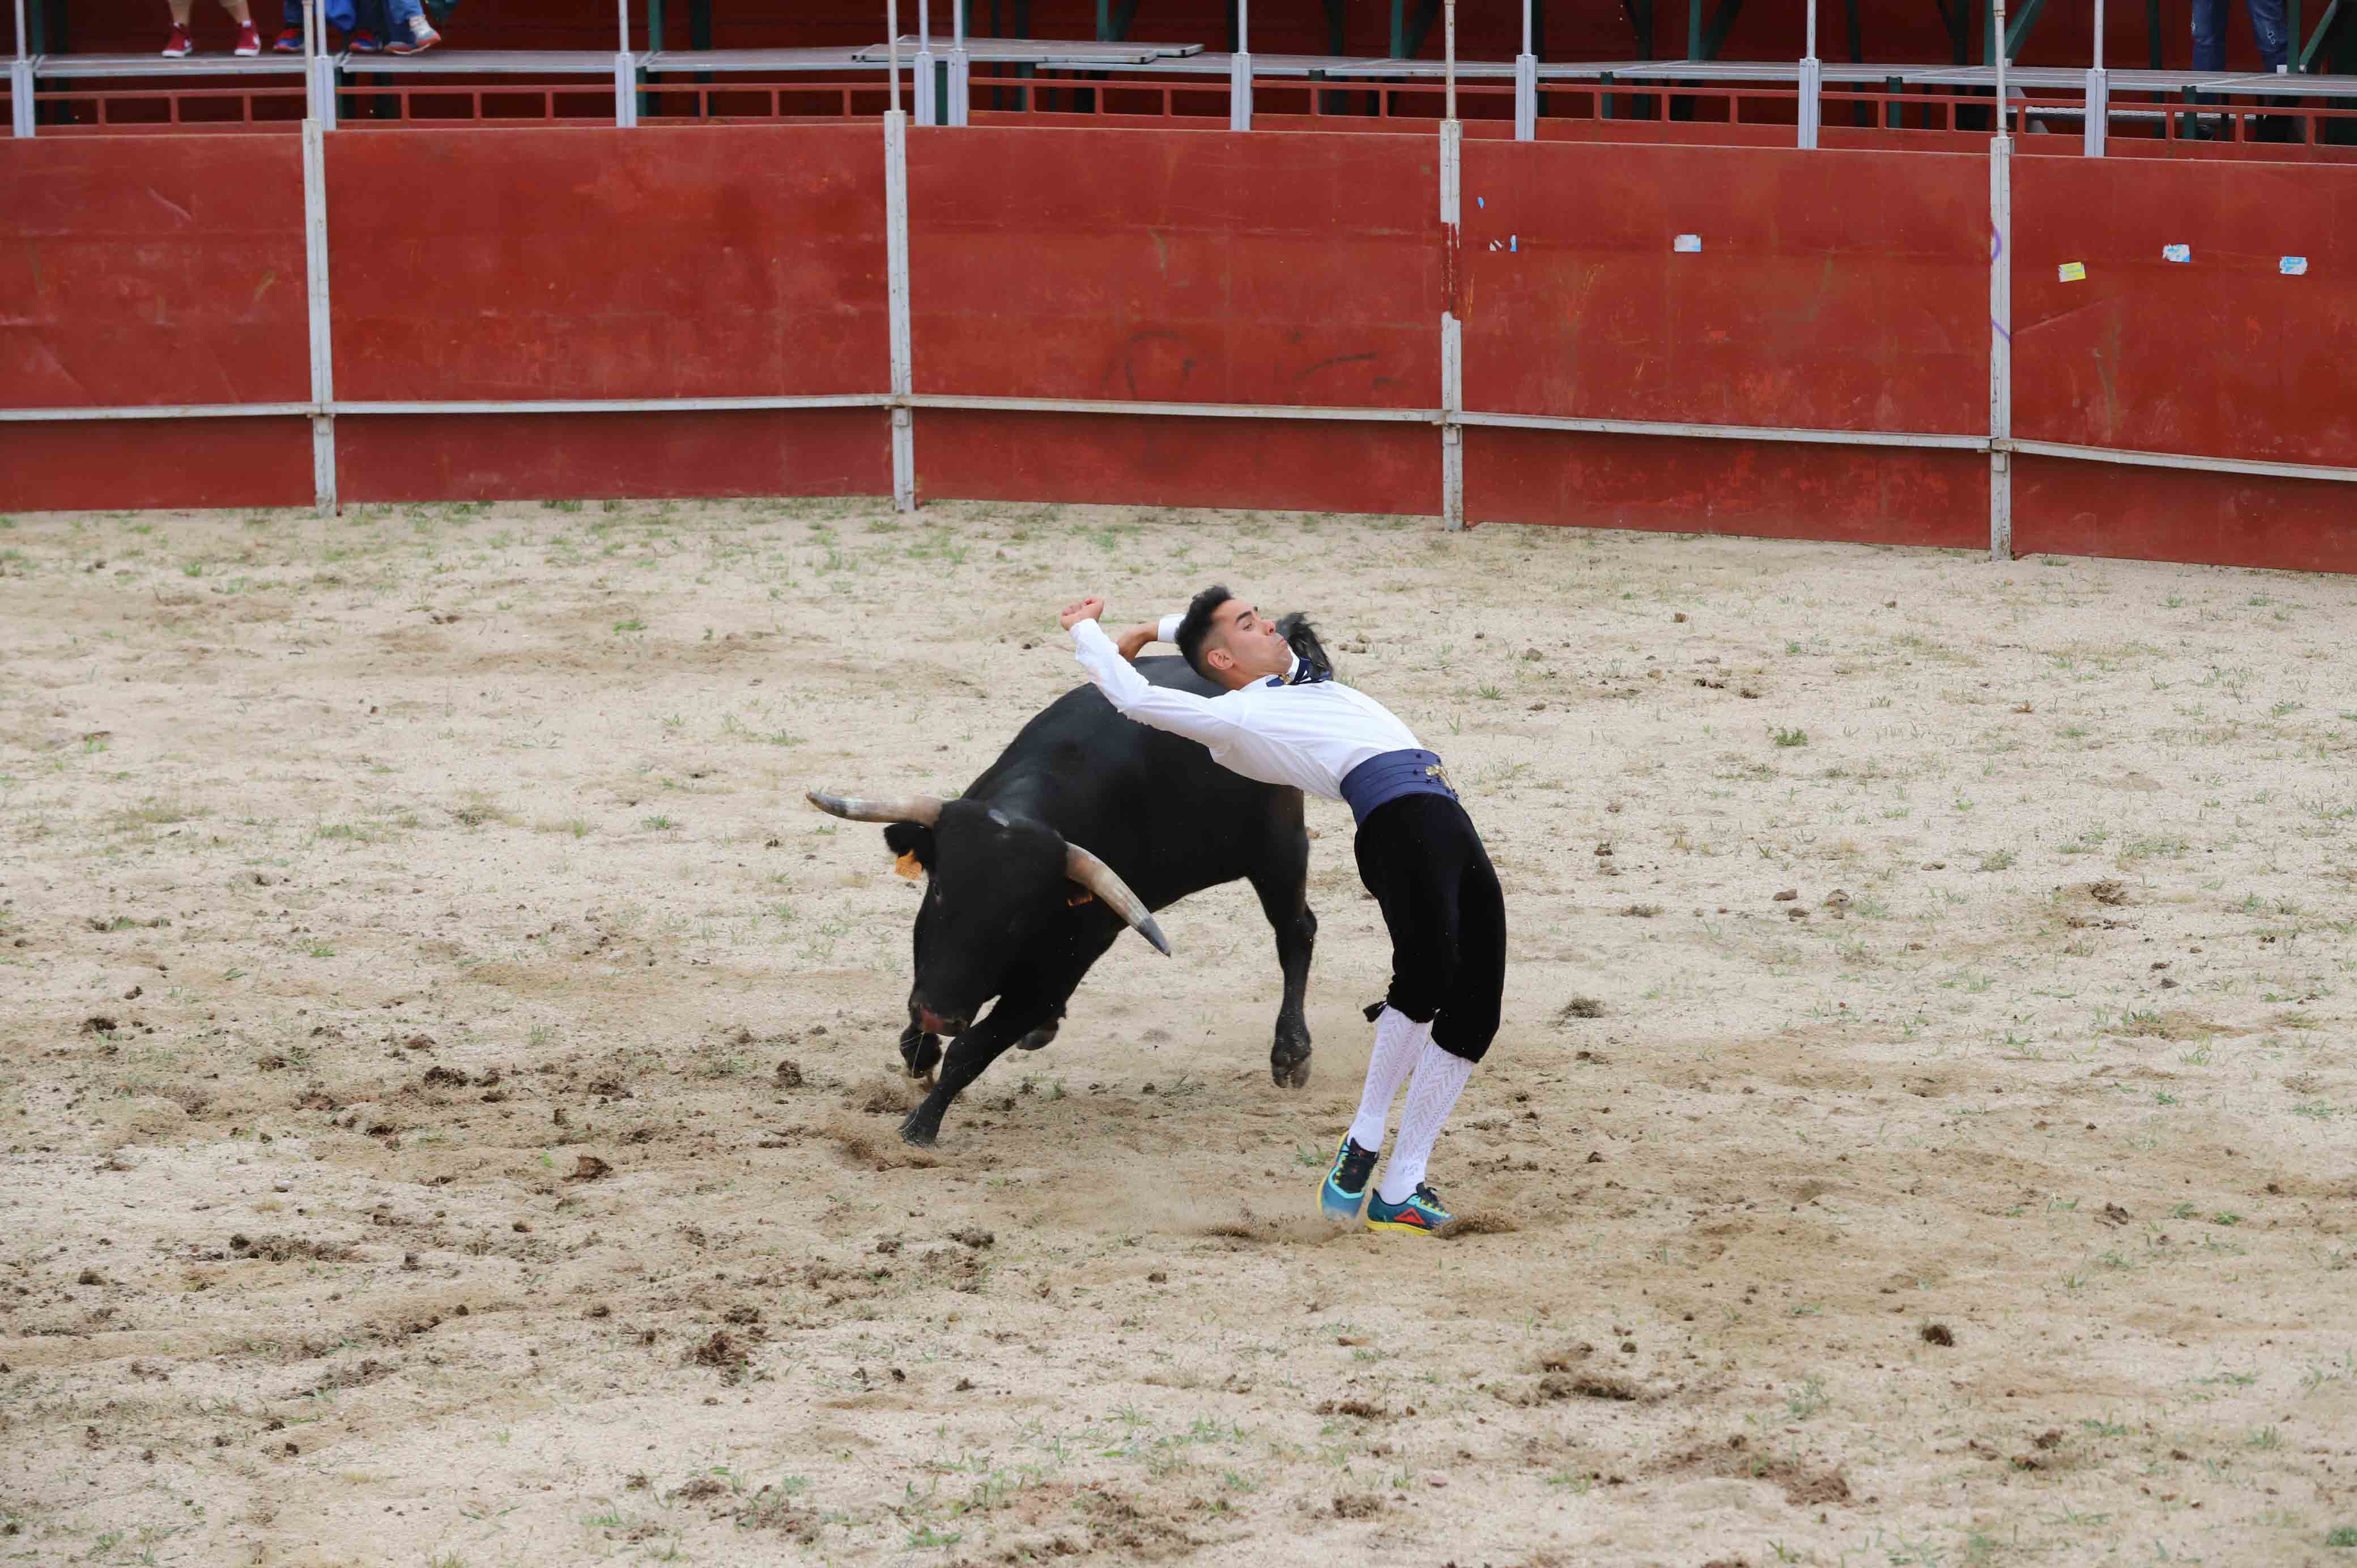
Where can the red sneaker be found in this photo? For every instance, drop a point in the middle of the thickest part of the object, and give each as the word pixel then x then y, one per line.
pixel 179 44
pixel 289 42
pixel 248 42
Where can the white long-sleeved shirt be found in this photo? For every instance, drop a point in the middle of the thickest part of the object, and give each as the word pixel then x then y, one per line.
pixel 1309 736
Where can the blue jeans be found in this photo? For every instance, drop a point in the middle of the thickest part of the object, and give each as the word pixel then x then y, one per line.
pixel 2210 33
pixel 389 18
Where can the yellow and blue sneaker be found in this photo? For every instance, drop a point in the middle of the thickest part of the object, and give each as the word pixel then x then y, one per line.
pixel 1346 1183
pixel 1421 1210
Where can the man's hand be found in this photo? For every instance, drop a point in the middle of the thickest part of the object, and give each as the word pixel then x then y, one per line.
pixel 1133 643
pixel 1089 609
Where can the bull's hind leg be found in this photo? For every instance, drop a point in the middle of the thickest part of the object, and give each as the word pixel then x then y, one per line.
pixel 920 1052
pixel 1038 1038
pixel 1283 892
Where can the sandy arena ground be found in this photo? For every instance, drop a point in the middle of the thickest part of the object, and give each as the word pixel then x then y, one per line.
pixel 446 1101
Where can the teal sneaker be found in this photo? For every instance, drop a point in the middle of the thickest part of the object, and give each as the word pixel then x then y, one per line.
pixel 1420 1211
pixel 1346 1183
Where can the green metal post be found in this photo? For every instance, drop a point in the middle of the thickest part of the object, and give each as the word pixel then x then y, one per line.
pixel 2323 28
pixel 654 42
pixel 1694 29
pixel 2152 30
pixel 2016 31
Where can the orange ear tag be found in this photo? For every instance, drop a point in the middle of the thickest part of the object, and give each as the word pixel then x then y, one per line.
pixel 906 865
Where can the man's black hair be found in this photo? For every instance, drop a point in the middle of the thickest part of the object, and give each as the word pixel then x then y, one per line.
pixel 1197 625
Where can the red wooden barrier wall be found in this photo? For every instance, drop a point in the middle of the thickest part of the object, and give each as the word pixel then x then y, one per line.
pixel 2225 354
pixel 1832 291
pixel 1176 266
pixel 607 263
pixel 1837 289
pixel 140 271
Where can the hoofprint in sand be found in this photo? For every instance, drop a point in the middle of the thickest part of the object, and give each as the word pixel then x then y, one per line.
pixel 446 1110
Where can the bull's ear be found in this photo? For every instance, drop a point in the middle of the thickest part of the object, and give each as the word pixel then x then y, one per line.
pixel 912 843
pixel 1295 629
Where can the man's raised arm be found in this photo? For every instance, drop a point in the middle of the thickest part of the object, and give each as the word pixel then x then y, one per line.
pixel 1180 713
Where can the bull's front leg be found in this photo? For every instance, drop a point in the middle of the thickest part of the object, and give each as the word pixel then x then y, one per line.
pixel 1284 899
pixel 983 1043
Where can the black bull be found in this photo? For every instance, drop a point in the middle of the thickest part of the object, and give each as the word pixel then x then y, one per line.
pixel 1013 912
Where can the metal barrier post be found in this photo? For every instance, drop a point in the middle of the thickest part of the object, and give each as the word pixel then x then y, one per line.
pixel 1812 104
pixel 626 70
pixel 961 67
pixel 895 274
pixel 1526 85
pixel 323 353
pixel 2099 93
pixel 929 110
pixel 1240 102
pixel 318 68
pixel 2000 319
pixel 1452 336
pixel 20 79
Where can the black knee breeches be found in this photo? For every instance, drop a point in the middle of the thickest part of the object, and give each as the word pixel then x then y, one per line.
pixel 1420 857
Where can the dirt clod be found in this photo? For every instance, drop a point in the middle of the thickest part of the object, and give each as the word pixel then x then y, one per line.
pixel 1939 1333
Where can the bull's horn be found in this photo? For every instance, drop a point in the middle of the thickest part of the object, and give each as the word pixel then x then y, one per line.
pixel 1098 878
pixel 923 808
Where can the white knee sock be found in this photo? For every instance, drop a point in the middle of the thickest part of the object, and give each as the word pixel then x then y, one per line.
pixel 1439 1078
pixel 1400 1040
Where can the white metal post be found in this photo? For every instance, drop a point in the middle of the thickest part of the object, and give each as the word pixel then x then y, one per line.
pixel 1996 21
pixel 1811 108
pixel 323 353
pixel 1452 338
pixel 1240 102
pixel 318 67
pixel 1526 85
pixel 2099 93
pixel 20 79
pixel 2001 348
pixel 1449 40
pixel 928 111
pixel 626 72
pixel 895 274
pixel 961 67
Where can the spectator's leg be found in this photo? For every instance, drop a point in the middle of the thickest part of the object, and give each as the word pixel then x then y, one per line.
pixel 406 29
pixel 2209 35
pixel 368 26
pixel 2269 26
pixel 290 31
pixel 2209 54
pixel 180 9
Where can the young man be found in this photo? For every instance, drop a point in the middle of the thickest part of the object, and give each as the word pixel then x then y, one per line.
pixel 1283 721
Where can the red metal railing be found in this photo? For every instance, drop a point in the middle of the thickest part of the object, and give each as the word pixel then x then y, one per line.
pixel 131 108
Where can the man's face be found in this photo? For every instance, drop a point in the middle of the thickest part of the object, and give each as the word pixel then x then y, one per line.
pixel 1244 646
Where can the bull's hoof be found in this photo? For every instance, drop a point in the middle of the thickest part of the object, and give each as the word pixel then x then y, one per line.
pixel 918 1136
pixel 921 1054
pixel 1290 1072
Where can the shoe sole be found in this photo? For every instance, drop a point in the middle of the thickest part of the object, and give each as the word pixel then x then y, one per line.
pixel 1374 1224
pixel 1338 1214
